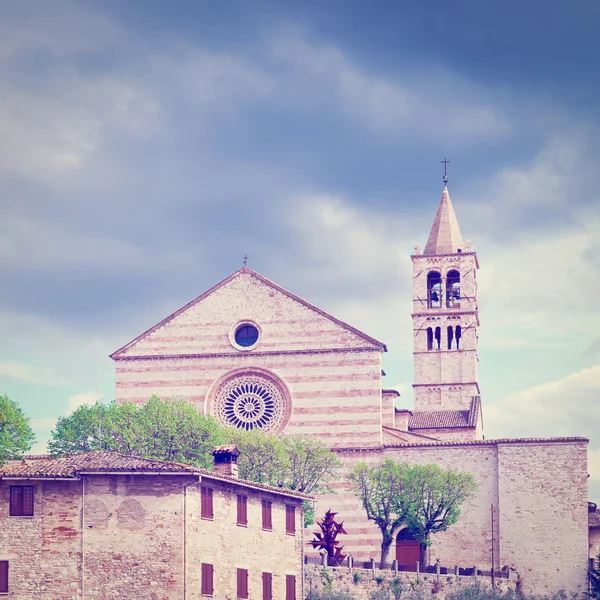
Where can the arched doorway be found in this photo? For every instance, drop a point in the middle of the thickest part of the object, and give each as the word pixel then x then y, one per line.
pixel 408 549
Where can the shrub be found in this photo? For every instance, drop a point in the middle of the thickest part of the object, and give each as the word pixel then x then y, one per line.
pixel 379 579
pixel 356 577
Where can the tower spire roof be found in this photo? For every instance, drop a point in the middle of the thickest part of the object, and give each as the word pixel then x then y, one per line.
pixel 445 236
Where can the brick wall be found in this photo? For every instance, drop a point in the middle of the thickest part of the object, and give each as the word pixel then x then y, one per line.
pixel 134 541
pixel 540 499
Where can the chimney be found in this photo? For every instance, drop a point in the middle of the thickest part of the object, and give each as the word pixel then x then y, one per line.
pixel 226 460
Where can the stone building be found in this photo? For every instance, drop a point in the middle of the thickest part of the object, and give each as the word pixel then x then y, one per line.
pixel 594 525
pixel 256 355
pixel 104 526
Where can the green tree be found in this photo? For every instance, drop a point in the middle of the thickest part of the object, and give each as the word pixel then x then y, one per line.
pixel 16 436
pixel 425 498
pixel 436 497
pixel 383 493
pixel 171 430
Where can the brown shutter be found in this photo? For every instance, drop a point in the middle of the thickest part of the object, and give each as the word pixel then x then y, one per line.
pixel 242 583
pixel 290 587
pixel 242 510
pixel 267 580
pixel 28 500
pixel 207 579
pixel 3 577
pixel 16 500
pixel 290 519
pixel 206 500
pixel 267 522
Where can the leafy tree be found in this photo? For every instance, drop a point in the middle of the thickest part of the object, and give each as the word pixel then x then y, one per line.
pixel 16 436
pixel 171 430
pixel 436 496
pixel 426 498
pixel 294 462
pixel 383 493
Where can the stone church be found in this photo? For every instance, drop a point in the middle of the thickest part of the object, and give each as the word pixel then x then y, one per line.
pixel 256 355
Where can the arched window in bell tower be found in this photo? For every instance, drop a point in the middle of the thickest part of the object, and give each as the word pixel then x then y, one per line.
pixel 453 289
pixel 434 290
pixel 450 336
pixel 429 338
pixel 438 338
pixel 458 336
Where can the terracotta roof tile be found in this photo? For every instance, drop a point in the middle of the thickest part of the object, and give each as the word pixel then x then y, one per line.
pixel 112 462
pixel 439 419
pixel 594 518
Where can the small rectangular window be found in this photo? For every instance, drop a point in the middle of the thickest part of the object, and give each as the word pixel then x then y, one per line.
pixel 21 500
pixel 290 519
pixel 207 579
pixel 3 577
pixel 290 587
pixel 242 583
pixel 267 522
pixel 267 582
pixel 242 510
pixel 206 503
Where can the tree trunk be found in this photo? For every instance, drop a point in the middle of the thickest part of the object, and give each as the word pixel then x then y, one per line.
pixel 385 551
pixel 424 554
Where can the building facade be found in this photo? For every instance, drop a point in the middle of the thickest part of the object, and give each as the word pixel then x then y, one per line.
pixel 104 526
pixel 256 355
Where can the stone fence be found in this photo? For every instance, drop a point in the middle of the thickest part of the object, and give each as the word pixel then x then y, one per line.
pixel 360 583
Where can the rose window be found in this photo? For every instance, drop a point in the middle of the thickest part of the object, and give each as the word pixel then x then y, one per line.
pixel 250 401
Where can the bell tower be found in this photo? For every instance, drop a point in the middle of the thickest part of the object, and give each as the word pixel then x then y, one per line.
pixel 445 318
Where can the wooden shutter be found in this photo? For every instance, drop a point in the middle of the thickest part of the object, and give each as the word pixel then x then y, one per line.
pixel 3 577
pixel 16 500
pixel 207 579
pixel 27 501
pixel 206 503
pixel 267 581
pixel 242 510
pixel 267 522
pixel 242 583
pixel 290 519
pixel 290 587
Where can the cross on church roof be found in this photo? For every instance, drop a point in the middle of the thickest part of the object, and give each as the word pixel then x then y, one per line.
pixel 445 177
pixel 246 257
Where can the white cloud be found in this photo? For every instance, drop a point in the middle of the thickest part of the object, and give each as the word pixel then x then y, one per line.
pixel 77 400
pixel 30 374
pixel 434 104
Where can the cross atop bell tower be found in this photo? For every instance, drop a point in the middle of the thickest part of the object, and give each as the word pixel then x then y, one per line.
pixel 445 316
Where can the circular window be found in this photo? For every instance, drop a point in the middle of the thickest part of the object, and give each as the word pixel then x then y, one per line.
pixel 249 402
pixel 246 336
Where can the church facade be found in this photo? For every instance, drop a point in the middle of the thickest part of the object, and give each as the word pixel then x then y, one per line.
pixel 256 355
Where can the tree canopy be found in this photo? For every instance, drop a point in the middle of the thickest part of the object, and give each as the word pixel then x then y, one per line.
pixel 16 436
pixel 174 430
pixel 171 430
pixel 425 498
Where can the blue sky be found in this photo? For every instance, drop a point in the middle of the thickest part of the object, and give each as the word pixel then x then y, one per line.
pixel 145 149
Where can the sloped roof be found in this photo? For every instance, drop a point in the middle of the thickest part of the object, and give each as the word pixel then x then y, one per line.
pixel 70 467
pixel 594 518
pixel 407 436
pixel 445 236
pixel 245 270
pixel 446 419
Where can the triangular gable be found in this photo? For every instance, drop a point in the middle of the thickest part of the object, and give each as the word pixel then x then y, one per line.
pixel 202 325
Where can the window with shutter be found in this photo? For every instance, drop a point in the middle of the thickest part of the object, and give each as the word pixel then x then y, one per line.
pixel 242 510
pixel 290 587
pixel 267 581
pixel 242 583
pixel 290 519
pixel 21 501
pixel 3 577
pixel 207 579
pixel 267 522
pixel 206 500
